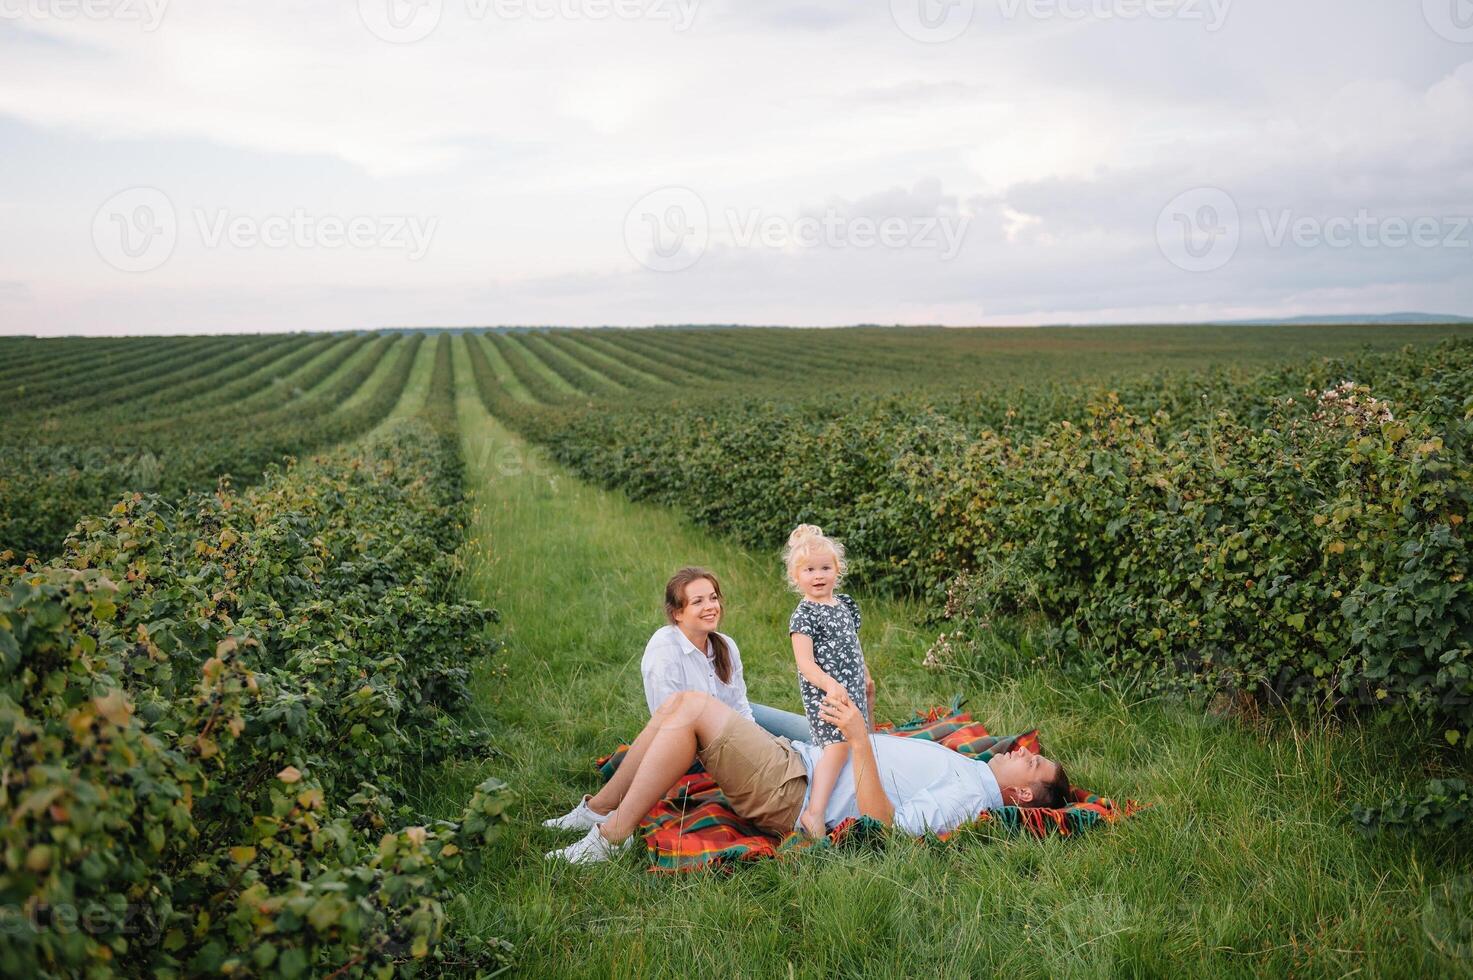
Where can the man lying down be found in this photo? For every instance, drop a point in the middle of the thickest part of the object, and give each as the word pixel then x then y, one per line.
pixel 915 785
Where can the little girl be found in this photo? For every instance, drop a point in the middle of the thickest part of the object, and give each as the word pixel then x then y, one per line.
pixel 825 633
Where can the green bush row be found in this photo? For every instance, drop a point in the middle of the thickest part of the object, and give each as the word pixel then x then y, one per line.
pixel 209 708
pixel 191 388
pixel 581 375
pixel 58 383
pixel 49 479
pixel 519 360
pixel 1279 532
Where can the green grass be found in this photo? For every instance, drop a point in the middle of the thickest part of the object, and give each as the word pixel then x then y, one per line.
pixel 505 376
pixel 417 387
pixel 1245 864
pixel 374 381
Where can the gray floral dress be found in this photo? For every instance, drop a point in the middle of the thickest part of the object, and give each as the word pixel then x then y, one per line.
pixel 835 634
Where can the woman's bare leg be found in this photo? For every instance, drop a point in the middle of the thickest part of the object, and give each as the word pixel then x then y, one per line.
pixel 673 740
pixel 613 791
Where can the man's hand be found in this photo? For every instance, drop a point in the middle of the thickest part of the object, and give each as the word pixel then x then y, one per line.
pixel 838 710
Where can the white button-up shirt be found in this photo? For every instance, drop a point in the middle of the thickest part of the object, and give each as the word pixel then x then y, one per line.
pixel 930 786
pixel 672 663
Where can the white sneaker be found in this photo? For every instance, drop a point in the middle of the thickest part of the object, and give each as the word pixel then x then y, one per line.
pixel 591 849
pixel 578 818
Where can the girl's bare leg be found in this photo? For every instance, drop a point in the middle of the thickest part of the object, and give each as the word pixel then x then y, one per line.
pixel 825 777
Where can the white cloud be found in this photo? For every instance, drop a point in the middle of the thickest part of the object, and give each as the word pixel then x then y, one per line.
pixel 528 140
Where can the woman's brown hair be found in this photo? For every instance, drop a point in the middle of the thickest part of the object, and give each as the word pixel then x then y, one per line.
pixel 675 601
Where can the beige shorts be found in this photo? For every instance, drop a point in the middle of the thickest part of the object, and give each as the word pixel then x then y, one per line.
pixel 762 776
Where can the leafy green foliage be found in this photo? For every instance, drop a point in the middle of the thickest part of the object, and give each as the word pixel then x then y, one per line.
pixel 208 709
pixel 1439 805
pixel 1284 533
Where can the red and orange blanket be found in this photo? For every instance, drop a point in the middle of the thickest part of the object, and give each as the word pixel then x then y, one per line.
pixel 693 827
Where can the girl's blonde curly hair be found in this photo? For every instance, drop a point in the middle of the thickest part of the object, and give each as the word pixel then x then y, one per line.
pixel 808 539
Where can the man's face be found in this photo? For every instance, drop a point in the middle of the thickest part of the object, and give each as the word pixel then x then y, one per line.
pixel 1021 770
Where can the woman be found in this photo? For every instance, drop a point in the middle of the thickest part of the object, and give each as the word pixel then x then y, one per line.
pixel 689 655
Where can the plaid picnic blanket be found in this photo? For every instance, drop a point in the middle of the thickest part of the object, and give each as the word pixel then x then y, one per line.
pixel 693 827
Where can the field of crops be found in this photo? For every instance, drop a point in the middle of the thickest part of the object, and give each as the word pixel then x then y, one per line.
pixel 87 421
pixel 252 709
pixel 214 699
pixel 1291 530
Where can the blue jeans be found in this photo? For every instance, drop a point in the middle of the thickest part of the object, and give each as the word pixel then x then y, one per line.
pixel 782 723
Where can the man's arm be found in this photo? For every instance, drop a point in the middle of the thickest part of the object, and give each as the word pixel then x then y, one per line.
pixel 869 696
pixel 838 710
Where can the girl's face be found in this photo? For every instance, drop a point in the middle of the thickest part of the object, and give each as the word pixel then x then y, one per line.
pixel 816 574
pixel 701 613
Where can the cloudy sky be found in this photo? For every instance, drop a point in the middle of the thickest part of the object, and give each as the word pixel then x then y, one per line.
pixel 184 166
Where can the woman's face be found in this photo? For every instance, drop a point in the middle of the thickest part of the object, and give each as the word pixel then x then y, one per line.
pixel 702 611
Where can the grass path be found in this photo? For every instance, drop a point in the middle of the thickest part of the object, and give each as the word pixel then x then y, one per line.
pixel 417 386
pixel 516 345
pixel 1245 867
pixel 376 379
pixel 504 373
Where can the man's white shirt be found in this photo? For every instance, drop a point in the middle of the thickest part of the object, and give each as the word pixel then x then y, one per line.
pixel 672 663
pixel 930 786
